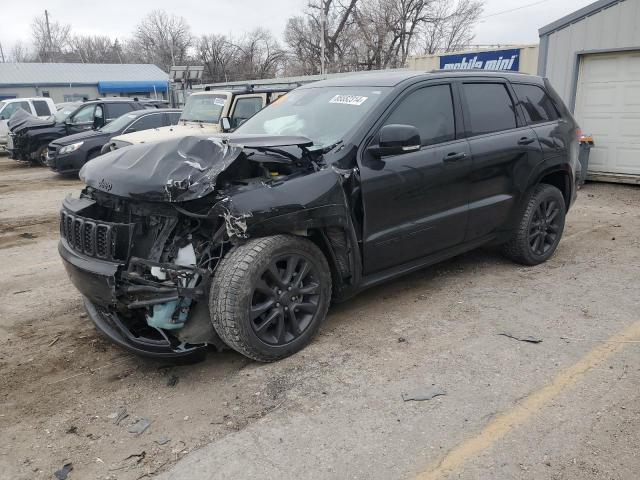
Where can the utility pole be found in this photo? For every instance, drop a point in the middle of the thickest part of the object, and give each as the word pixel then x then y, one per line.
pixel 1 53
pixel 323 27
pixel 46 16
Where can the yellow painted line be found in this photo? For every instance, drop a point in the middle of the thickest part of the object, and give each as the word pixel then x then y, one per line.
pixel 504 423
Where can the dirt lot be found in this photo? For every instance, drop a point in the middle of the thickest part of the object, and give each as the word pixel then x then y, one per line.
pixel 566 408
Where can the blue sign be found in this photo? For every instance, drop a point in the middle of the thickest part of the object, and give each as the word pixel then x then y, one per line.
pixel 496 60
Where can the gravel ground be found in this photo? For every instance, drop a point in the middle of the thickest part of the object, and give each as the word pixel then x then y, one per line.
pixel 336 410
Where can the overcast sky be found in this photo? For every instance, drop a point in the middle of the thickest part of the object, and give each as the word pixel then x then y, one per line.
pixel 117 18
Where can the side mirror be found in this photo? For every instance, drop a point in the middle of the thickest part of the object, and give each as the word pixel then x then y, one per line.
pixel 225 124
pixel 396 139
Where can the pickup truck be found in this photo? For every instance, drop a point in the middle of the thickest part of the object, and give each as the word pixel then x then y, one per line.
pixel 210 111
pixel 244 239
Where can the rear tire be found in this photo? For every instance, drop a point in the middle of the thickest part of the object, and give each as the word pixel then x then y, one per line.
pixel 270 295
pixel 539 228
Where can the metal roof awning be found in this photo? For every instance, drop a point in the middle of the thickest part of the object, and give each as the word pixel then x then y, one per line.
pixel 133 86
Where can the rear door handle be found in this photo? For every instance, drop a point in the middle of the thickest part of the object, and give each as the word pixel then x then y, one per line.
pixel 526 141
pixel 454 156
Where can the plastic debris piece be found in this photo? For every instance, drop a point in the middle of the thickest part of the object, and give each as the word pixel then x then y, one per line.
pixel 522 338
pixel 173 381
pixel 63 473
pixel 140 426
pixel 425 394
pixel 119 416
pixel 163 440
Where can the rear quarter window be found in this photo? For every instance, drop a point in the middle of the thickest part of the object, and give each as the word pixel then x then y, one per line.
pixel 536 103
pixel 42 108
pixel 489 108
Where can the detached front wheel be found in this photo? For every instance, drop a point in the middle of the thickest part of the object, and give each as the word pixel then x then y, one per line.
pixel 270 295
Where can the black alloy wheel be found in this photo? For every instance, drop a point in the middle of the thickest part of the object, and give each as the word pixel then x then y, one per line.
pixel 539 226
pixel 545 226
pixel 270 295
pixel 285 300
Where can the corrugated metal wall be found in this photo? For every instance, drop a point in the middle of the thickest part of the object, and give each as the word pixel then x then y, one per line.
pixel 614 28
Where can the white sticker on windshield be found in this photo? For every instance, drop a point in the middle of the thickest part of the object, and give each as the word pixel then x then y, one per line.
pixel 349 99
pixel 218 101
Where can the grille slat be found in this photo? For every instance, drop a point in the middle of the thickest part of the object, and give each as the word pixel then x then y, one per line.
pixel 94 239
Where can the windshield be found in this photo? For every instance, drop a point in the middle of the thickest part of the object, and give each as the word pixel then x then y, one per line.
pixel 203 108
pixel 322 114
pixel 61 115
pixel 119 123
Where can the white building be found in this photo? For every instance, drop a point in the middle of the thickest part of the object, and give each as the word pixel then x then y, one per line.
pixel 592 58
pixel 67 82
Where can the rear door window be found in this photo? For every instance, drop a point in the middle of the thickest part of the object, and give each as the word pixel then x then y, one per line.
pixel 537 105
pixel 430 110
pixel 42 108
pixel 489 108
pixel 145 123
pixel 115 110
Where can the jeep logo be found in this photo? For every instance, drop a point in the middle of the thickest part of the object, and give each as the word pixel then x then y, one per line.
pixel 105 185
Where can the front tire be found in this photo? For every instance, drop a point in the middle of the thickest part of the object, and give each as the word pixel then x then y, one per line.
pixel 540 227
pixel 270 295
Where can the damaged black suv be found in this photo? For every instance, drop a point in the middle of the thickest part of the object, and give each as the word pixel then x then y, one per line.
pixel 244 239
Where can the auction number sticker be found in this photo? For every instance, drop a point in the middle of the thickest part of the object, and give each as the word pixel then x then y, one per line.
pixel 349 99
pixel 218 101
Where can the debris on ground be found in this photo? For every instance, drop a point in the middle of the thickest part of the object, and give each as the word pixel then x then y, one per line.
pixel 173 381
pixel 72 430
pixel 140 426
pixel 138 457
pixel 63 473
pixel 401 340
pixel 424 394
pixel 522 338
pixel 163 440
pixel 118 416
pixel 28 235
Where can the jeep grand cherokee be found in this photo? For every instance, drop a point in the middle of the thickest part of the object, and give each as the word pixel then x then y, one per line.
pixel 244 239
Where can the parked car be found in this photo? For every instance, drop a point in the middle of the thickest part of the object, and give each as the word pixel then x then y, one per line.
pixel 207 112
pixel 30 136
pixel 67 155
pixel 41 107
pixel 342 184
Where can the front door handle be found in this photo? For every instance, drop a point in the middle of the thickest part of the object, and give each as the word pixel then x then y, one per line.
pixel 526 141
pixel 454 156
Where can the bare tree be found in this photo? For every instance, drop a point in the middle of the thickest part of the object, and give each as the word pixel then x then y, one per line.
pixel 20 53
pixel 259 55
pixel 161 39
pixel 217 54
pixel 96 49
pixel 451 26
pixel 303 34
pixel 50 39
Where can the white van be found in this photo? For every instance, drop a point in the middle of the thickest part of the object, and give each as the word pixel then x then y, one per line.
pixel 41 107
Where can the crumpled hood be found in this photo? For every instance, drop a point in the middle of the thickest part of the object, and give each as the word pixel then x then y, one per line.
pixel 22 120
pixel 174 170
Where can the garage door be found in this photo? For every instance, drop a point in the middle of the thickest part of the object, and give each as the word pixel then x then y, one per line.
pixel 608 107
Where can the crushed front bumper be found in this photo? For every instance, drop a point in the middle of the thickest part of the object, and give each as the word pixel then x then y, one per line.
pixel 96 280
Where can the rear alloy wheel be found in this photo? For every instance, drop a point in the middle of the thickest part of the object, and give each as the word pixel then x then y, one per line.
pixel 270 295
pixel 540 227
